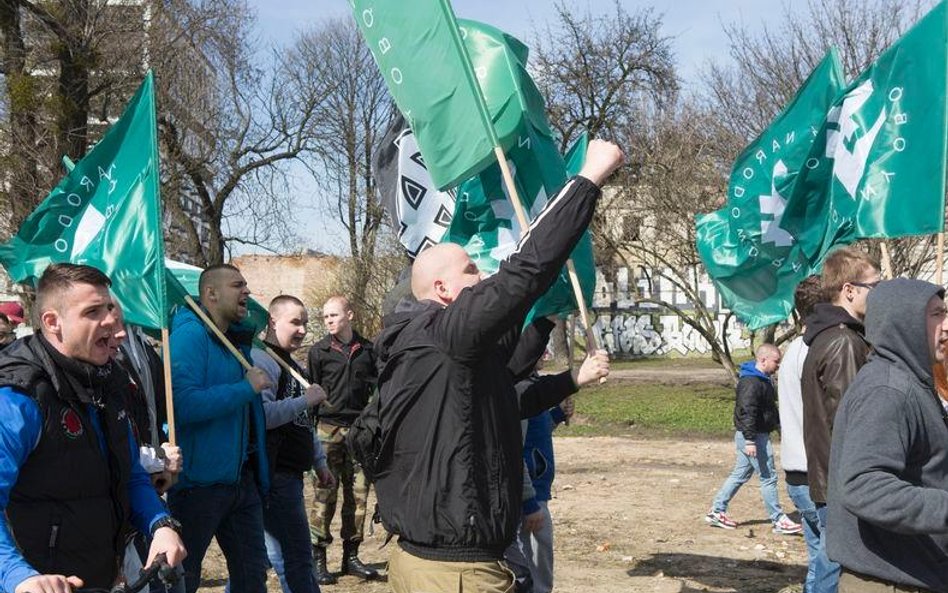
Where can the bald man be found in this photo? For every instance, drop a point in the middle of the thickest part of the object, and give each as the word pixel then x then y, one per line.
pixel 343 362
pixel 449 474
pixel 222 435
pixel 755 416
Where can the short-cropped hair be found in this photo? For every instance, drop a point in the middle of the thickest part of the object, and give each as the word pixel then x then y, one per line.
pixel 848 264
pixel 58 278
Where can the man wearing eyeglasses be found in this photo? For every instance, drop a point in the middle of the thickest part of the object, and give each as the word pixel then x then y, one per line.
pixel 888 471
pixel 837 350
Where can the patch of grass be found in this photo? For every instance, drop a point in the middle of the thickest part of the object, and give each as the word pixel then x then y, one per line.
pixel 626 409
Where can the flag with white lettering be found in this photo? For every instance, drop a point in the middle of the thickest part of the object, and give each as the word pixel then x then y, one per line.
pixel 877 167
pixel 105 213
pixel 754 263
pixel 422 53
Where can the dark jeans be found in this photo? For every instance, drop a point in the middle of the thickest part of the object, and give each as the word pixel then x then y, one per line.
pixel 234 515
pixel 284 518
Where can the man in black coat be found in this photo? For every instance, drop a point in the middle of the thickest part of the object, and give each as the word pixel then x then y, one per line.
pixel 449 475
pixel 755 416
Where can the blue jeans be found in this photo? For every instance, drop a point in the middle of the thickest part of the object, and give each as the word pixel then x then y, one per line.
pixel 233 514
pixel 800 495
pixel 826 572
pixel 745 467
pixel 287 534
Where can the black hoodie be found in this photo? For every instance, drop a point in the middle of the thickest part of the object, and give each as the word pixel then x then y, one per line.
pixel 888 480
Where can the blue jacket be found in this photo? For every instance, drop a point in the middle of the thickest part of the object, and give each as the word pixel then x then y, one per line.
pixel 214 407
pixel 538 451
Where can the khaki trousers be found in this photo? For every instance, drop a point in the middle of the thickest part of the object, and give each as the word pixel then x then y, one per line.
pixel 410 574
pixel 850 582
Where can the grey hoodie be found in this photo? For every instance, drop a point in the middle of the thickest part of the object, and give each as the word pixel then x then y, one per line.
pixel 888 478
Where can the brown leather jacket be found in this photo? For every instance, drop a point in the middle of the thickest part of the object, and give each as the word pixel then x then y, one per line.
pixel 838 349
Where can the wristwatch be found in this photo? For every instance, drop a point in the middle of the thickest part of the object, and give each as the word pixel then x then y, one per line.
pixel 166 521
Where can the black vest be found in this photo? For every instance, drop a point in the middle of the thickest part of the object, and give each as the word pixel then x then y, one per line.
pixel 69 507
pixel 290 446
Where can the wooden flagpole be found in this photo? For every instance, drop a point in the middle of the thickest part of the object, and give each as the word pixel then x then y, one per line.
pixel 169 400
pixel 886 261
pixel 940 260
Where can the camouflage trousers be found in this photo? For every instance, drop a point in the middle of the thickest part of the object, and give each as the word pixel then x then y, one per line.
pixel 355 491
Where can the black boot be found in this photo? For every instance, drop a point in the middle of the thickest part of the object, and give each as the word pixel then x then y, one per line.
pixel 320 571
pixel 352 565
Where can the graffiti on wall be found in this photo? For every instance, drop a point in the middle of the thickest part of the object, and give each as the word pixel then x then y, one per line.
pixel 642 333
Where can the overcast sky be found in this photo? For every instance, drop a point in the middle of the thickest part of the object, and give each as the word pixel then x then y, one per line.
pixel 694 25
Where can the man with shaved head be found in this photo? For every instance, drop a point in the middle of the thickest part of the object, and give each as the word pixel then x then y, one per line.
pixel 343 362
pixel 449 473
pixel 755 416
pixel 292 447
pixel 222 435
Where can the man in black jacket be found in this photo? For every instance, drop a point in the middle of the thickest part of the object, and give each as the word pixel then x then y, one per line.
pixel 449 474
pixel 755 416
pixel 837 350
pixel 343 363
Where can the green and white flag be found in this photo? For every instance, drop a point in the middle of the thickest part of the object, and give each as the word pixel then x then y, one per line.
pixel 754 263
pixel 105 213
pixel 877 168
pixel 420 51
pixel 484 222
pixel 485 225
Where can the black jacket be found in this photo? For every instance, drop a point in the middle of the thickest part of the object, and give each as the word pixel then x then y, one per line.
pixel 347 377
pixel 449 475
pixel 888 478
pixel 755 404
pixel 838 349
pixel 73 526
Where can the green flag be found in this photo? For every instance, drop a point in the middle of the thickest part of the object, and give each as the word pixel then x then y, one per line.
pixel 105 213
pixel 754 263
pixel 419 50
pixel 877 168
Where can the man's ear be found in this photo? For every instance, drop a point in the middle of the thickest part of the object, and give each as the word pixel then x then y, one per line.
pixel 51 322
pixel 350 314
pixel 442 291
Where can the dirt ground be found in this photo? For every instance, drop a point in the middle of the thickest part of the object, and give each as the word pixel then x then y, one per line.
pixel 628 517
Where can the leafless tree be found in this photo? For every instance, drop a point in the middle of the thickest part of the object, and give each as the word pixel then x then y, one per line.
pixel 228 129
pixel 350 125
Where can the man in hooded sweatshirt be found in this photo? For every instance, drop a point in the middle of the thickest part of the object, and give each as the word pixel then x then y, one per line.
pixel 837 350
pixel 888 471
pixel 755 416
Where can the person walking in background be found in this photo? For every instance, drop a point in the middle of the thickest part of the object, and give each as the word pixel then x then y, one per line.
pixel 755 417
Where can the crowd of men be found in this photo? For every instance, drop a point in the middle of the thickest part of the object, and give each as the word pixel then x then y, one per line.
pixel 864 429
pixel 453 373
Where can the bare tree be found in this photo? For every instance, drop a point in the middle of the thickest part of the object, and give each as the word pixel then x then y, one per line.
pixel 350 124
pixel 598 72
pixel 63 61
pixel 606 75
pixel 228 128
